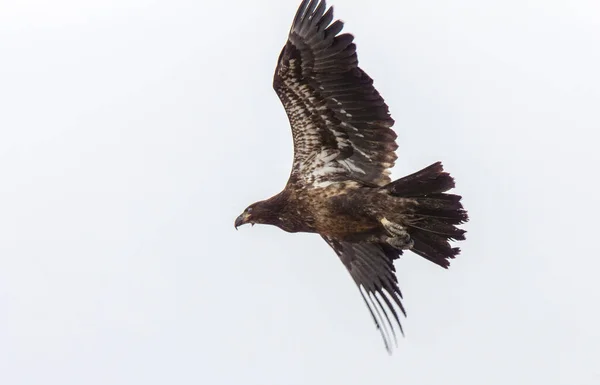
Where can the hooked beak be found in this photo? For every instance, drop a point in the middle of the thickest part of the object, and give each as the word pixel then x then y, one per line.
pixel 241 220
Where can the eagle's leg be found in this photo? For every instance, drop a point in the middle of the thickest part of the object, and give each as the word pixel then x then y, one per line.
pixel 399 237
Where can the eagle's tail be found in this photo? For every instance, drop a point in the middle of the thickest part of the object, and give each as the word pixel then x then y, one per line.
pixel 436 215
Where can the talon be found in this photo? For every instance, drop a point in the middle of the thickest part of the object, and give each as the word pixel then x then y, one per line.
pixel 399 238
pixel 394 229
pixel 401 243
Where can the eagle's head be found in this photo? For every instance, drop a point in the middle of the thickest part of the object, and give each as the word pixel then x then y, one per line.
pixel 250 215
pixel 268 212
pixel 263 212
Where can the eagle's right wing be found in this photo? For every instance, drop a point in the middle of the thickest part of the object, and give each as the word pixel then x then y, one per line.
pixel 372 268
pixel 341 126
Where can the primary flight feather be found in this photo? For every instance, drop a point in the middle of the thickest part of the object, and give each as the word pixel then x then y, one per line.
pixel 339 186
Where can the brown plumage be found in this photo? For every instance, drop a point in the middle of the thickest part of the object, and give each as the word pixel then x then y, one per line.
pixel 339 186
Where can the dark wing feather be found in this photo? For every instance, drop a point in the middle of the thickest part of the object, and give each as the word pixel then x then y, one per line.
pixel 372 268
pixel 340 124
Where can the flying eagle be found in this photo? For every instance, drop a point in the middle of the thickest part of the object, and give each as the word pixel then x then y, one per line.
pixel 339 186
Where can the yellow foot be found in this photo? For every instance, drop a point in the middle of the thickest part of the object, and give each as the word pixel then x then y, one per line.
pixel 399 236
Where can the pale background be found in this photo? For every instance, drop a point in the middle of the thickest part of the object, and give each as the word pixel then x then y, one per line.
pixel 132 133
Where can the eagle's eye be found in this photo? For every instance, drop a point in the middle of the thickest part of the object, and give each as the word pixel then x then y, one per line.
pixel 249 210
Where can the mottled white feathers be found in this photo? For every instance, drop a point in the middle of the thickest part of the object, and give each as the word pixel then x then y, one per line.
pixel 340 123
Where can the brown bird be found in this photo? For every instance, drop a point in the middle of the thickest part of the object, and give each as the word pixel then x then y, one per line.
pixel 339 185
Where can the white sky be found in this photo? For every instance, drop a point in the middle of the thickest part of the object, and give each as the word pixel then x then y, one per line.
pixel 132 133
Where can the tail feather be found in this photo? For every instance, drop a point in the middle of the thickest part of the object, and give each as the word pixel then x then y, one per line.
pixel 437 256
pixel 433 221
pixel 437 227
pixel 430 180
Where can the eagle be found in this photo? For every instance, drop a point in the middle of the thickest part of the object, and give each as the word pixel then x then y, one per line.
pixel 339 186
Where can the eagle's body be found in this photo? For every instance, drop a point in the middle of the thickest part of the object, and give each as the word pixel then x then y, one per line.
pixel 339 186
pixel 348 211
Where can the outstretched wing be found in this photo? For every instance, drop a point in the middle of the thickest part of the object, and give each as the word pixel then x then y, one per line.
pixel 372 268
pixel 340 123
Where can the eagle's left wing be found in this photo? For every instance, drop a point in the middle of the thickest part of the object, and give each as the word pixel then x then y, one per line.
pixel 372 268
pixel 341 126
